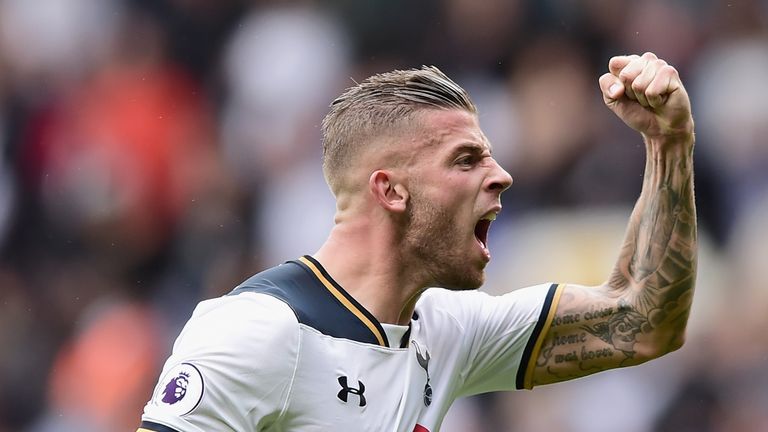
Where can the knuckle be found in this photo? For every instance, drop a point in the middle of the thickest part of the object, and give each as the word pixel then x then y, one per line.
pixel 627 73
pixel 669 69
pixel 618 59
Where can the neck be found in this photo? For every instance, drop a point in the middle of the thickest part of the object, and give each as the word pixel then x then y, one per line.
pixel 366 260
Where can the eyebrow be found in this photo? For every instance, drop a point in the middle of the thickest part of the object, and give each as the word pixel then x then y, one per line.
pixel 473 147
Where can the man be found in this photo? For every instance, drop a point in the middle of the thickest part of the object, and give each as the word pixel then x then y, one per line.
pixel 351 339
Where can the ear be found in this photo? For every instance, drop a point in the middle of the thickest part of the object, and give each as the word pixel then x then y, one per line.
pixel 390 195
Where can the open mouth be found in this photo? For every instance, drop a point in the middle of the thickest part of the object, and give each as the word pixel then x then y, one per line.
pixel 481 232
pixel 481 229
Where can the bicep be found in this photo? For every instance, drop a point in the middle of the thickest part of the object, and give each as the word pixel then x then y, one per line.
pixel 592 330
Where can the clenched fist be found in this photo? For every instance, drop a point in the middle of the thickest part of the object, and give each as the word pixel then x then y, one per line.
pixel 647 94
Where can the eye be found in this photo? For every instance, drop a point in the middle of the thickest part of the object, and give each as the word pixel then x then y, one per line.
pixel 466 161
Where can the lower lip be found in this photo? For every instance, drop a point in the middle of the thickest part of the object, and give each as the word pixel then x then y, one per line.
pixel 484 250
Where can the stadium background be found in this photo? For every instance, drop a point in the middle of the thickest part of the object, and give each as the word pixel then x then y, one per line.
pixel 156 152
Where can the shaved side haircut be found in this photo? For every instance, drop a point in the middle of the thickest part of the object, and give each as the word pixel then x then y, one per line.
pixel 382 105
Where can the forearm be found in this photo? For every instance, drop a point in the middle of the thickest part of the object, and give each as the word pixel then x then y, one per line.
pixel 656 270
pixel 642 310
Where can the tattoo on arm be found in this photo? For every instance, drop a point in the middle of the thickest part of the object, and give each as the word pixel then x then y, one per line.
pixel 596 340
pixel 656 272
pixel 649 292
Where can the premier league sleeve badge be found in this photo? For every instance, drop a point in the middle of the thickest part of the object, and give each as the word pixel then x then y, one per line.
pixel 180 390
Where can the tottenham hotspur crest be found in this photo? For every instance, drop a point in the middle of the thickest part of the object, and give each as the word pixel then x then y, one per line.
pixel 424 363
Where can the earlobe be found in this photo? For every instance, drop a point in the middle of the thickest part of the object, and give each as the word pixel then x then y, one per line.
pixel 389 194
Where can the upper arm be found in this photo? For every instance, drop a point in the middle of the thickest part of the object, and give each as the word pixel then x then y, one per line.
pixel 226 347
pixel 492 335
pixel 593 329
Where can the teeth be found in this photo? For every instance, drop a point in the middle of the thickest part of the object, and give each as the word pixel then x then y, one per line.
pixel 490 216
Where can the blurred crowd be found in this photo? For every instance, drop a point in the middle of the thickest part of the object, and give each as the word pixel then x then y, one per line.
pixel 154 153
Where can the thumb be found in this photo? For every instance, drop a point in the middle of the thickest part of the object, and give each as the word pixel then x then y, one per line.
pixel 612 88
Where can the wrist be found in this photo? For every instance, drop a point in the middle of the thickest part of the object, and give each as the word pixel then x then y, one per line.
pixel 683 140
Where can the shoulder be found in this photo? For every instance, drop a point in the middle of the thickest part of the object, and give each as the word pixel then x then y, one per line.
pixel 229 344
pixel 445 297
pixel 445 308
pixel 239 323
pixel 442 296
pixel 521 304
pixel 242 308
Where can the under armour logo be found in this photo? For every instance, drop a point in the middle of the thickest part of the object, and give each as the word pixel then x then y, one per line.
pixel 424 363
pixel 346 390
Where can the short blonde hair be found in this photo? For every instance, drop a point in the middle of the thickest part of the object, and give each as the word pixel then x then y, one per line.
pixel 380 105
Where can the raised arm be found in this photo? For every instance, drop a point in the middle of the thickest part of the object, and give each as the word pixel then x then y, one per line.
pixel 641 312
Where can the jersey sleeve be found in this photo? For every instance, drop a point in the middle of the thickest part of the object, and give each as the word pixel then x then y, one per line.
pixel 501 336
pixel 230 370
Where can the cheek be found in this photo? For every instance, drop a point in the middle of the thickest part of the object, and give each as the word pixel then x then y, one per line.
pixel 446 209
pixel 454 198
pixel 431 222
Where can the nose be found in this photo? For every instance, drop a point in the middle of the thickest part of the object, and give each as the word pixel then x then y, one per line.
pixel 499 180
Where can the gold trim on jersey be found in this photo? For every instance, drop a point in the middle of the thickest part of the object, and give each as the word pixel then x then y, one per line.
pixel 528 380
pixel 343 299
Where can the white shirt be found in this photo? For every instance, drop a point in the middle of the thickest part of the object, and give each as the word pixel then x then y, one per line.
pixel 290 350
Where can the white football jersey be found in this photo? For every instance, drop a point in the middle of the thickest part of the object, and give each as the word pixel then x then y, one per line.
pixel 290 350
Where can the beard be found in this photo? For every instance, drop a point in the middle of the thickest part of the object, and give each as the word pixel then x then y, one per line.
pixel 434 238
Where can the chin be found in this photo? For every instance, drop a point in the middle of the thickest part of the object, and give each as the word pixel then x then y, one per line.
pixel 467 281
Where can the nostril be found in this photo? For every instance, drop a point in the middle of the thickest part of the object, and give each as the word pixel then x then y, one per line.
pixel 501 185
pixel 500 180
pixel 497 186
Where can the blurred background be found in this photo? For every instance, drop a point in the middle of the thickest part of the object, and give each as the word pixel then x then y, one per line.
pixel 154 153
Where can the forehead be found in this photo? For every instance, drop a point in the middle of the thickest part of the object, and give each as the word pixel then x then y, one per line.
pixel 447 130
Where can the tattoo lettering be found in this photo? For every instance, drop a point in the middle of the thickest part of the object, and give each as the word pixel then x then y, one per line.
pixel 599 313
pixel 567 357
pixel 569 339
pixel 566 319
pixel 594 314
pixel 595 354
